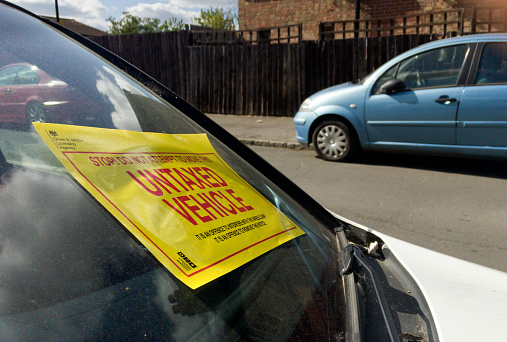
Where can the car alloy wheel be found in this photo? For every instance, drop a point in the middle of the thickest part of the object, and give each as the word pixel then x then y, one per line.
pixel 332 141
pixel 35 112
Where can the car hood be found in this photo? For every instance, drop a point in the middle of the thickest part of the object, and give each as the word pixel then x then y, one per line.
pixel 335 88
pixel 339 95
pixel 468 301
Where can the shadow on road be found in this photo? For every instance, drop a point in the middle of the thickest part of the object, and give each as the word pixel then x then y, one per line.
pixel 466 166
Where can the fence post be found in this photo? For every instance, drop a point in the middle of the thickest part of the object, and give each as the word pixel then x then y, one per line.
pixel 431 26
pixel 445 25
pixel 461 24
pixel 474 20
pixel 490 17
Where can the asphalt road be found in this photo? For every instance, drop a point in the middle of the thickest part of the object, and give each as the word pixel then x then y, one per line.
pixel 453 206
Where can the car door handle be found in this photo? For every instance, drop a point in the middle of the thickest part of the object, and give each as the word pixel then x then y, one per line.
pixel 445 100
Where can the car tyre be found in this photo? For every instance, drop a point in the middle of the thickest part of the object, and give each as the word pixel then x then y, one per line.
pixel 35 112
pixel 333 141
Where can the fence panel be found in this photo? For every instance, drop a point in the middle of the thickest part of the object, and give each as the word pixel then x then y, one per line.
pixel 264 79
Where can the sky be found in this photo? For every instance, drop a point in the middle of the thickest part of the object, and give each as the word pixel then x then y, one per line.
pixel 95 12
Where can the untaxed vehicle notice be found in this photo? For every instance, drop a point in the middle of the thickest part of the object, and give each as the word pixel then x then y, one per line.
pixel 175 194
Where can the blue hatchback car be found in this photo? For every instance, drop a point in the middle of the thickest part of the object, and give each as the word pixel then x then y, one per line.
pixel 445 97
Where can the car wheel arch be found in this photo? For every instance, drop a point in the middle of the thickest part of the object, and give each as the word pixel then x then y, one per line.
pixel 334 117
pixel 34 98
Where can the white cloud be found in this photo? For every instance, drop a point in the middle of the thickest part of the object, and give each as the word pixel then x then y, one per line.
pixel 95 12
pixel 163 11
pixel 181 9
pixel 89 12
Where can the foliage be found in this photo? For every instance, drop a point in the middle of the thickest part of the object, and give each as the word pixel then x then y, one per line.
pixel 218 18
pixel 129 24
pixel 172 24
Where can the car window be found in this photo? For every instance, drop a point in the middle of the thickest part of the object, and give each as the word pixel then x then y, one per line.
pixel 70 271
pixel 493 64
pixel 435 68
pixel 27 76
pixel 8 75
pixel 388 75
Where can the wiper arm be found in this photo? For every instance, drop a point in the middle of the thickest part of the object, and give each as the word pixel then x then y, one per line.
pixel 352 257
pixel 353 313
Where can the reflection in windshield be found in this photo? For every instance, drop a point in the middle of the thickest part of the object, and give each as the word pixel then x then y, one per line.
pixel 123 116
pixel 70 271
pixel 69 261
pixel 34 244
pixel 29 94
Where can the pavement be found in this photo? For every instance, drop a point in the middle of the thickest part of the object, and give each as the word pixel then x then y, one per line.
pixel 260 130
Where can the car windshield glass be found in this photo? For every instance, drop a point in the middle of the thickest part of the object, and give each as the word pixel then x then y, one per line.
pixel 70 271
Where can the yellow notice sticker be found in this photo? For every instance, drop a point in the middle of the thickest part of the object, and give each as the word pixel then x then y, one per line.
pixel 175 194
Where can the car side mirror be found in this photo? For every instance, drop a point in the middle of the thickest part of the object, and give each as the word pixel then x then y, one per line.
pixel 392 86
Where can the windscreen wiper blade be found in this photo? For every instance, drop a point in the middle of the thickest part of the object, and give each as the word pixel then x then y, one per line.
pixel 352 259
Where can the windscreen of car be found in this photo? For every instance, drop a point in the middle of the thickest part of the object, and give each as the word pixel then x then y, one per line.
pixel 70 271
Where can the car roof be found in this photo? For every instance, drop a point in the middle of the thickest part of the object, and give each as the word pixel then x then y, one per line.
pixel 469 39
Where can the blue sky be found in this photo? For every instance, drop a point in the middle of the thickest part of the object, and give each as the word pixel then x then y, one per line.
pixel 95 12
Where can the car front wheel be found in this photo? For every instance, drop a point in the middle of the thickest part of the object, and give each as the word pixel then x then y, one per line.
pixel 35 112
pixel 333 141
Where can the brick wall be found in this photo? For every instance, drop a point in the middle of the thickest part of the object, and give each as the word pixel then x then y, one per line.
pixel 263 14
pixel 256 14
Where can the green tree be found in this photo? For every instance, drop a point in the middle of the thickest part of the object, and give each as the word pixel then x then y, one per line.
pixel 172 24
pixel 129 24
pixel 218 18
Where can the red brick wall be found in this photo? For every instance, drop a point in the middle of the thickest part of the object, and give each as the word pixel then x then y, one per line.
pixel 255 14
pixel 263 14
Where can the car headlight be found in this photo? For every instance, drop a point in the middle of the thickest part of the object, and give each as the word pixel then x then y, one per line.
pixel 306 106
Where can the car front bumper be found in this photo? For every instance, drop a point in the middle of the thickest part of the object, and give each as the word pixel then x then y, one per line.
pixel 302 123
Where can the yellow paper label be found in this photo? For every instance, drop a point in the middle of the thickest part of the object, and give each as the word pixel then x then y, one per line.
pixel 175 194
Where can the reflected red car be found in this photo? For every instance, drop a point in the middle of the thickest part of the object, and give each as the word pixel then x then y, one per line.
pixel 28 94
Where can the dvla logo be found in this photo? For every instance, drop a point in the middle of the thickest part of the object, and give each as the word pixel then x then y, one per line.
pixel 187 260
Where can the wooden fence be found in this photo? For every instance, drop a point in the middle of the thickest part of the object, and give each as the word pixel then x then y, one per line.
pixel 279 34
pixel 489 19
pixel 264 79
pixel 445 23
